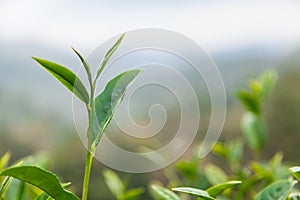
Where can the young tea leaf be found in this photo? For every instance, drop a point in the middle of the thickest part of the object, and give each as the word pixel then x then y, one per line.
pixel 40 178
pixel 66 77
pixel 161 193
pixel 133 194
pixel 279 190
pixel 85 64
pixel 107 102
pixel 220 149
pixel 187 169
pixel 254 129
pixel 268 80
pixel 194 192
pixel 236 148
pixel 262 170
pixel 4 160
pixel 256 87
pixel 215 174
pixel 250 101
pixel 108 55
pixel 295 171
pixel 114 183
pixel 276 160
pixel 218 189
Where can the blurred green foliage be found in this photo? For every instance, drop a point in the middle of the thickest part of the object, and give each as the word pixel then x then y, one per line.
pixel 257 179
pixel 241 158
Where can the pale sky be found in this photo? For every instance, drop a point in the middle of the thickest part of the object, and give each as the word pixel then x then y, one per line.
pixel 214 24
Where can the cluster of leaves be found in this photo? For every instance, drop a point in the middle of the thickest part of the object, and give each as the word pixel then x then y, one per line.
pixel 257 179
pixel 253 124
pixel 101 108
pixel 100 111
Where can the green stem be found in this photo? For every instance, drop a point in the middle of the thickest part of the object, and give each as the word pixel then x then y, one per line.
pixel 88 165
pixel 89 153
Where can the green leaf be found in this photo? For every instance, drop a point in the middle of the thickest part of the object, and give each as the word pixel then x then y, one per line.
pixel 249 182
pixel 218 189
pixel 114 183
pixel 276 160
pixel 40 178
pixel 107 102
pixel 214 174
pixel 254 129
pixel 279 190
pixel 45 196
pixel 194 192
pixel 268 81
pixel 85 64
pixel 133 194
pixel 235 150
pixel 161 193
pixel 66 77
pixel 295 171
pixel 188 169
pixel 256 87
pixel 262 170
pixel 220 149
pixel 250 101
pixel 108 55
pixel 4 160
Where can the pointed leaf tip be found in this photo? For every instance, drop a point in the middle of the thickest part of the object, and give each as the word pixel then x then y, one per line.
pixel 85 64
pixel 108 55
pixel 194 192
pixel 66 77
pixel 218 189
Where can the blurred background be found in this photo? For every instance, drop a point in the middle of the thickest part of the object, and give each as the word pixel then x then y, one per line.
pixel 243 38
